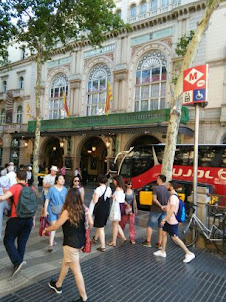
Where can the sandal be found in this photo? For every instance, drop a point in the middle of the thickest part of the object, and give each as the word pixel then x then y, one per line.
pixel 101 249
pixel 132 242
pixel 94 240
pixel 124 241
pixel 111 244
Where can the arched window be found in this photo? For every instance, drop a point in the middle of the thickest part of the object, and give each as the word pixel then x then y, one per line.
pixel 119 12
pixel 3 117
pixel 97 87
pixel 19 115
pixel 133 11
pixel 143 8
pixel 4 86
pixel 150 87
pixel 165 3
pixel 21 83
pixel 154 5
pixel 59 88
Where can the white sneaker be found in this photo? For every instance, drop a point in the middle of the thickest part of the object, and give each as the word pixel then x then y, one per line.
pixel 160 254
pixel 189 257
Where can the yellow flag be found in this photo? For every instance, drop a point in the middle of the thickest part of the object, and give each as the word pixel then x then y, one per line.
pixel 109 98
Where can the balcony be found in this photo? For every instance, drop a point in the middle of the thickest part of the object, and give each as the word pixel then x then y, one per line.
pixel 152 13
pixel 2 96
pixel 17 93
pixel 11 128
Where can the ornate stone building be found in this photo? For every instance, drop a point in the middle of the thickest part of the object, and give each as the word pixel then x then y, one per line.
pixel 139 66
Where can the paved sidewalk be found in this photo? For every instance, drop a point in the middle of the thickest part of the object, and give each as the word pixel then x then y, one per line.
pixel 125 273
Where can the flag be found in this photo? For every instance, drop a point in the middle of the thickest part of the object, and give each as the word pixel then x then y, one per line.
pixel 65 105
pixel 28 111
pixel 109 98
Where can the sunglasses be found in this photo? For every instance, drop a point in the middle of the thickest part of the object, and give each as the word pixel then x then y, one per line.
pixel 76 180
pixel 129 184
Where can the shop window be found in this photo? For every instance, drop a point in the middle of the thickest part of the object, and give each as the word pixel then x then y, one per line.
pixel 59 88
pixel 3 116
pixel 19 115
pixel 97 89
pixel 150 84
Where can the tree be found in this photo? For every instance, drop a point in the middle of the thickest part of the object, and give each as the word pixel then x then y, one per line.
pixel 175 113
pixel 42 25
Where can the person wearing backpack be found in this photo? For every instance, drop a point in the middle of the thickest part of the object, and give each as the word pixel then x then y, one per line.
pixel 170 224
pixel 21 221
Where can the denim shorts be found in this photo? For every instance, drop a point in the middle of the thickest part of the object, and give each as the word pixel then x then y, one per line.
pixel 155 218
pixel 172 229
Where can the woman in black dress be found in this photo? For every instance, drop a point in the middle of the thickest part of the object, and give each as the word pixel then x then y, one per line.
pixel 101 199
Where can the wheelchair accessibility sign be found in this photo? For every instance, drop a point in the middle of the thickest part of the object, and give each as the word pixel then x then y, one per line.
pixel 195 85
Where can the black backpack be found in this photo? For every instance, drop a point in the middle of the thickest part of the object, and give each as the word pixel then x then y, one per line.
pixel 27 203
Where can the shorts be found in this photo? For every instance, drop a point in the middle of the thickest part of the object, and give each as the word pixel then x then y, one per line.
pixel 154 218
pixel 71 254
pixel 172 229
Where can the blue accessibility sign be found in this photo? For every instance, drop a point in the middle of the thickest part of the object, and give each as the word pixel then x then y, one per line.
pixel 199 95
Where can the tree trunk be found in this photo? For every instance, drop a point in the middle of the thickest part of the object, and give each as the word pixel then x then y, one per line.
pixel 38 122
pixel 175 114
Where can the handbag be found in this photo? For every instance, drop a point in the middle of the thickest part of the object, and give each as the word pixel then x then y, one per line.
pixel 56 209
pixel 128 210
pixel 115 213
pixel 43 224
pixel 88 243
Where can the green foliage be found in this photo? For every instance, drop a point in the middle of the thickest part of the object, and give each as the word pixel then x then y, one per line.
pixel 42 25
pixel 183 43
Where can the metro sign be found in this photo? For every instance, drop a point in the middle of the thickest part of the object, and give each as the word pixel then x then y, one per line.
pixel 195 85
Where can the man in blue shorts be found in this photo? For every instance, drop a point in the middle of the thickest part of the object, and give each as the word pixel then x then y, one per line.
pixel 157 214
pixel 170 225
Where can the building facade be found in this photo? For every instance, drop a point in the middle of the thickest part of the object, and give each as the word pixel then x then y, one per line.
pixel 138 66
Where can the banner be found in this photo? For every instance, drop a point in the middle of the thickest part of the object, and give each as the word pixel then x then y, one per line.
pixel 109 98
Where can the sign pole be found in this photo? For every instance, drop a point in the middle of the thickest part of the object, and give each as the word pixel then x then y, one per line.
pixel 196 154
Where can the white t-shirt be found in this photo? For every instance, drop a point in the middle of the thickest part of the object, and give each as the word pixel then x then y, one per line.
pixel 28 175
pixel 119 196
pixel 49 180
pixel 173 200
pixel 100 191
pixel 12 177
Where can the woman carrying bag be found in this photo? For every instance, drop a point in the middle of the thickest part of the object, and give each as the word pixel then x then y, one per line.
pixel 117 209
pixel 101 200
pixel 130 211
pixel 72 220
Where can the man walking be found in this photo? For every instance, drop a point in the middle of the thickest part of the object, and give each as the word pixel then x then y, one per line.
pixel 4 186
pixel 18 228
pixel 170 225
pixel 49 181
pixel 157 214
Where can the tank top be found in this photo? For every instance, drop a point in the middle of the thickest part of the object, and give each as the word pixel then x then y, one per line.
pixel 74 236
pixel 129 198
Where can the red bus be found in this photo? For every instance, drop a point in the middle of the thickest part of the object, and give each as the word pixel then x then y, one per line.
pixel 143 165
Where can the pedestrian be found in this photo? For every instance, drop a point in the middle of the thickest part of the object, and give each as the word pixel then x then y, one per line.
pixel 101 199
pixel 157 214
pixel 18 227
pixel 11 174
pixel 4 186
pixel 77 172
pixel 130 211
pixel 117 209
pixel 170 225
pixel 53 205
pixel 63 171
pixel 29 176
pixel 49 181
pixel 84 176
pixel 72 220
pixel 76 183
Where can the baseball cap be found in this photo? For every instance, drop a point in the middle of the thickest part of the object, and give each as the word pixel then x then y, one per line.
pixel 54 168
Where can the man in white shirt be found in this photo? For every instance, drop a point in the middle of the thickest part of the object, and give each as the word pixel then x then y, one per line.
pixel 49 181
pixel 170 225
pixel 11 174
pixel 4 186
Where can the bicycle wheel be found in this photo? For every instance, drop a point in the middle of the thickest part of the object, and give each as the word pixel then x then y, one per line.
pixel 219 240
pixel 187 234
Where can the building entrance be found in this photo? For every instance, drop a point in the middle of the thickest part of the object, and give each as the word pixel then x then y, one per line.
pixel 93 158
pixel 144 140
pixel 51 153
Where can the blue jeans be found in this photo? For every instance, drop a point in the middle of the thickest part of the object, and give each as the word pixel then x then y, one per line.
pixel 3 206
pixel 17 228
pixel 155 218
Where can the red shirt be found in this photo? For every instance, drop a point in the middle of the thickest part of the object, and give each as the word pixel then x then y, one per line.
pixel 15 190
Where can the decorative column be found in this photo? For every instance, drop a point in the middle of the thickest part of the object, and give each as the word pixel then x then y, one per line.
pixel 75 83
pixel 121 86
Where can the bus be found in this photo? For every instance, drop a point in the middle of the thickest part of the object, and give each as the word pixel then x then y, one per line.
pixel 143 165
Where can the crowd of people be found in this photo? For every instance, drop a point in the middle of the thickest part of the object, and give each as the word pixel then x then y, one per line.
pixel 65 207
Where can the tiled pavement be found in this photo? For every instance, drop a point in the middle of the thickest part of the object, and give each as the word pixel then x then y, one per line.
pixel 125 273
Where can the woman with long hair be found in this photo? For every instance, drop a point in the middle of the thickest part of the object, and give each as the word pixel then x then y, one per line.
pixel 53 205
pixel 130 210
pixel 117 209
pixel 76 183
pixel 72 220
pixel 101 199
